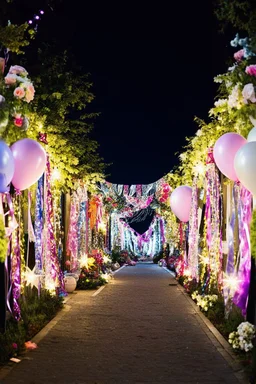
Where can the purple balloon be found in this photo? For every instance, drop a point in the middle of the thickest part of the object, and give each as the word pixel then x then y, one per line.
pixel 6 166
pixel 224 152
pixel 30 162
pixel 180 201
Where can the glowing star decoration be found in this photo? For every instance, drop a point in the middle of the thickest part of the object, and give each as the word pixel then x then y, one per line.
pixel 84 261
pixel 31 277
pixel 232 283
pixel 205 260
pixel 51 286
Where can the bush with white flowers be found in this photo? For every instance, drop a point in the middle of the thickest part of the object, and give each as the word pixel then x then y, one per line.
pixel 243 338
pixel 204 301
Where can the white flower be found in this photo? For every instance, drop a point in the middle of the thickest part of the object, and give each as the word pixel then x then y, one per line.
pixel 233 99
pixel 248 93
pixel 220 102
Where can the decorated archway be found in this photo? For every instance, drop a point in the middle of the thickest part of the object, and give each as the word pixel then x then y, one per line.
pixel 125 204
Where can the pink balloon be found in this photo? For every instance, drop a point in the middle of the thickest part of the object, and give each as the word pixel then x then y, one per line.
pixel 30 162
pixel 180 201
pixel 224 153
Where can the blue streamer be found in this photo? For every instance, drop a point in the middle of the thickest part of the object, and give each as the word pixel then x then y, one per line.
pixel 39 222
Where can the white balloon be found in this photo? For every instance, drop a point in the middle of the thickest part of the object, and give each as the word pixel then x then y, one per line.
pixel 245 166
pixel 252 135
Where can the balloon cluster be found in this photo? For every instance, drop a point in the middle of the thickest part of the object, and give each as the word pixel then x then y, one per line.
pixel 22 164
pixel 235 157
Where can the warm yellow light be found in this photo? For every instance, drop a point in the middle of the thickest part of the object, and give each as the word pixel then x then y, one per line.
pixel 56 175
pixel 50 286
pixel 199 169
pixel 83 261
pixel 204 260
pixel 231 282
pixel 31 278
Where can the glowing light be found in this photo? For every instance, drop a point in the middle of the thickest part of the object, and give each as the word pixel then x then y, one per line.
pixel 37 17
pixel 83 261
pixel 31 278
pixel 50 285
pixel 187 272
pixel 199 169
pixel 102 226
pixel 30 21
pixel 231 282
pixel 204 260
pixel 56 175
pixel 41 11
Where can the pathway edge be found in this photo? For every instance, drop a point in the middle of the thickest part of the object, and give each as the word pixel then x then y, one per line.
pixel 214 335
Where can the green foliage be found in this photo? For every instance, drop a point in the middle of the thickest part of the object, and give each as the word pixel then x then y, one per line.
pixel 3 242
pixel 89 281
pixel 36 312
pixel 15 37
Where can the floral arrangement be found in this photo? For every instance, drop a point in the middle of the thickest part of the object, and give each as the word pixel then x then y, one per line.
pixel 242 339
pixel 204 301
pixel 95 271
pixel 16 92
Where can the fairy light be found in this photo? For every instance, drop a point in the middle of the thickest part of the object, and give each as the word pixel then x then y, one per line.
pixel 231 282
pixel 56 175
pixel 31 278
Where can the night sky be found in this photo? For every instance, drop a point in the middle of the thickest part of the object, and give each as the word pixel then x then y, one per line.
pixel 152 67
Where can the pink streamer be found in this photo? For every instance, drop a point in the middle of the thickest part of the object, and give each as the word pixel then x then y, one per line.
pixel 52 267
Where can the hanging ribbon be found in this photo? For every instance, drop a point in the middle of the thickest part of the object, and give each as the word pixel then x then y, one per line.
pixel 53 274
pixel 244 218
pixel 39 222
pixel 72 241
pixel 213 220
pixel 193 233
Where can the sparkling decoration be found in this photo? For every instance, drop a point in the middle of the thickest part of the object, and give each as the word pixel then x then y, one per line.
pixel 72 241
pixel 213 222
pixel 54 279
pixel 243 276
pixel 193 233
pixel 39 222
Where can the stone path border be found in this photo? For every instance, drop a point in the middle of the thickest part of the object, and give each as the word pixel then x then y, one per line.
pixel 215 336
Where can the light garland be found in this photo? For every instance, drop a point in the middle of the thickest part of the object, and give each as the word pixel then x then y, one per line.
pixel 193 233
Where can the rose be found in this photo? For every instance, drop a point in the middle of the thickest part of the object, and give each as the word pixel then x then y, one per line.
pixel 239 55
pixel 30 92
pixel 19 92
pixel 248 93
pixel 18 121
pixel 18 70
pixel 10 79
pixel 251 70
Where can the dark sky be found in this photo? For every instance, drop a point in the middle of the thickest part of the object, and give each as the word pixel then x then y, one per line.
pixel 152 67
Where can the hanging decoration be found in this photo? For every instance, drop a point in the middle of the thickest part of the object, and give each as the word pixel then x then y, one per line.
pixel 193 233
pixel 213 221
pixel 54 279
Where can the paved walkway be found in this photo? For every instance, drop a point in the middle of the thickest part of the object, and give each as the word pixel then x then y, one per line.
pixel 138 329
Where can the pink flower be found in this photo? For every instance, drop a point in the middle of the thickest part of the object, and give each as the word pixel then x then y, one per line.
pixel 238 56
pixel 19 92
pixel 10 79
pixel 14 345
pixel 18 70
pixel 30 345
pixel 30 92
pixel 251 70
pixel 18 121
